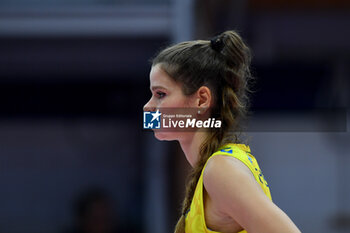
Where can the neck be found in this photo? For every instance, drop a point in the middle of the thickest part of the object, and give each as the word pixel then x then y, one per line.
pixel 191 145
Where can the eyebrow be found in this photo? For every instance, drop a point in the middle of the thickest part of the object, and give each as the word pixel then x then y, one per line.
pixel 156 87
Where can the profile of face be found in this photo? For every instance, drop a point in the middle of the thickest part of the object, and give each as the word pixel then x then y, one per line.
pixel 167 93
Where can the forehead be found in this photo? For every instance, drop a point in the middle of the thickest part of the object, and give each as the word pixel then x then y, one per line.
pixel 159 77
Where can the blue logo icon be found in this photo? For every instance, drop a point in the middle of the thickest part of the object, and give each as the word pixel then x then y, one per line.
pixel 151 120
pixel 250 159
pixel 227 150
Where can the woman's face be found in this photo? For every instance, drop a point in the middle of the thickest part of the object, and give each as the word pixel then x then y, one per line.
pixel 166 93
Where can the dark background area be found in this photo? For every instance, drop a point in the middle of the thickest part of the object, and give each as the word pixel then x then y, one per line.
pixel 74 76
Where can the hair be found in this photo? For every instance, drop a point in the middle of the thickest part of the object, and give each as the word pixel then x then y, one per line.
pixel 222 64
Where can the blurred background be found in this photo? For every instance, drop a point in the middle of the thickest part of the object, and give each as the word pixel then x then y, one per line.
pixel 74 76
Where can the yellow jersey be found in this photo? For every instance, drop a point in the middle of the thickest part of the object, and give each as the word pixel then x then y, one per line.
pixel 195 218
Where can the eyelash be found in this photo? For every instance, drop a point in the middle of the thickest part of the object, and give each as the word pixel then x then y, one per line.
pixel 160 94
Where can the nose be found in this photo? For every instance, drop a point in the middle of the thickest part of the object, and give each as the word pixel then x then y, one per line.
pixel 148 107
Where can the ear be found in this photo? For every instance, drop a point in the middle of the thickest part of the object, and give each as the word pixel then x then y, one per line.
pixel 204 97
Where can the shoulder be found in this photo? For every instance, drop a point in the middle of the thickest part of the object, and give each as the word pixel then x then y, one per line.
pixel 235 193
pixel 228 180
pixel 224 168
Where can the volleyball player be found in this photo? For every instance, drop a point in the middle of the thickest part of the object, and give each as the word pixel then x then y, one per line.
pixel 227 191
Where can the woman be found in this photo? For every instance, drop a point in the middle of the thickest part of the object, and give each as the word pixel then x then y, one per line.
pixel 226 192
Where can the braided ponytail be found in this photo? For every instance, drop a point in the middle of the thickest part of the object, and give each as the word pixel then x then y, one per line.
pixel 222 64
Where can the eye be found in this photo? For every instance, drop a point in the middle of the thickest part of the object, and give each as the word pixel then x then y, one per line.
pixel 160 94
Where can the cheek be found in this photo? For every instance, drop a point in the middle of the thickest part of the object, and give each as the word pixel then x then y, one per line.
pixel 175 100
pixel 179 103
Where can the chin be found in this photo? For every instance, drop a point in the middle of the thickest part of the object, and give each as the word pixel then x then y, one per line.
pixel 166 136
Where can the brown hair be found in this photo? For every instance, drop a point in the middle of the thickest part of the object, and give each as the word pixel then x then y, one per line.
pixel 221 64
